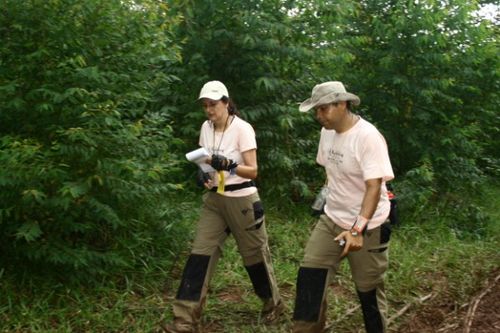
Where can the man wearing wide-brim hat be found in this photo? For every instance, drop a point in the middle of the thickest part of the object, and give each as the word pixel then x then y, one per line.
pixel 328 92
pixel 354 223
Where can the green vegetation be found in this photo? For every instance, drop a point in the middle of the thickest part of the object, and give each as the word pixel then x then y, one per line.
pixel 97 109
pixel 86 166
pixel 425 259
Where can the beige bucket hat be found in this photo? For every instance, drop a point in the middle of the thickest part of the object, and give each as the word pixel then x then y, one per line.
pixel 328 92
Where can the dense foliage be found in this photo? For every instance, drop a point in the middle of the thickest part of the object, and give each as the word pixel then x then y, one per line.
pixel 85 160
pixel 98 106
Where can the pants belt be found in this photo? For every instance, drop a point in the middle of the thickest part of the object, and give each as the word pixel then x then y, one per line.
pixel 234 187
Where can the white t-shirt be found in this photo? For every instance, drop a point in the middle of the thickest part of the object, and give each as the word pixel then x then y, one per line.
pixel 238 138
pixel 350 158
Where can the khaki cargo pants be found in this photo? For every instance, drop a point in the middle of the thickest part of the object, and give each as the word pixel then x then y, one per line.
pixel 243 217
pixel 321 261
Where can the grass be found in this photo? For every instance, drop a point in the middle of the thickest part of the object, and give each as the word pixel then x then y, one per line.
pixel 425 258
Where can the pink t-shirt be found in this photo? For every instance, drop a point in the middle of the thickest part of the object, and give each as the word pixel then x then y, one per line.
pixel 350 158
pixel 238 138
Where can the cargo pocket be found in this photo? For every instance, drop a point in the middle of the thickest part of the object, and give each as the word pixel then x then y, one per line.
pixel 385 233
pixel 258 216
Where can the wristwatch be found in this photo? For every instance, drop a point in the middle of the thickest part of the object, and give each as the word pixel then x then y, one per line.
pixel 359 226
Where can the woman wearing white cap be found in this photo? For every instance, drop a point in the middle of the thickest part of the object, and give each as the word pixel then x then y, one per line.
pixel 231 206
pixel 354 224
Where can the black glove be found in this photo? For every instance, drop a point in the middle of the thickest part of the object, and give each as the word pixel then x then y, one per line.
pixel 220 162
pixel 202 178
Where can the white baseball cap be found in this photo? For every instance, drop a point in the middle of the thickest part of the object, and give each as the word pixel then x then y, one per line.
pixel 214 90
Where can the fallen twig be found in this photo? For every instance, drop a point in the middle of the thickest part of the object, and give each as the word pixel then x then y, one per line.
pixel 469 318
pixel 448 327
pixel 407 306
pixel 398 314
pixel 346 314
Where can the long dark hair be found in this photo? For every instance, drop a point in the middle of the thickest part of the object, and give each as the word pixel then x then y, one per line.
pixel 231 107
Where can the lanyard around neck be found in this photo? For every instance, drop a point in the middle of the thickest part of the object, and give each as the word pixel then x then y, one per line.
pixel 223 132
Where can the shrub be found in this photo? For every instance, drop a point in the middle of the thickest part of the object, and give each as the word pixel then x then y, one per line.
pixel 84 158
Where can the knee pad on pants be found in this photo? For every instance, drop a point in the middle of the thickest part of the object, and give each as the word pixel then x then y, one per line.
pixel 193 277
pixel 371 311
pixel 310 290
pixel 260 280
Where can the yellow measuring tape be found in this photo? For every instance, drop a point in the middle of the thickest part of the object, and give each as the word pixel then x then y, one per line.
pixel 220 187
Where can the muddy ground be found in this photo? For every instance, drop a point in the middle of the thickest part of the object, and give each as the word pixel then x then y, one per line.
pixel 480 315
